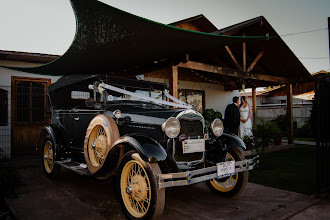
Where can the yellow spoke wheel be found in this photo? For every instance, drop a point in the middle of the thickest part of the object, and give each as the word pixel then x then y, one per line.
pixel 230 183
pixel 48 157
pixel 135 189
pixel 233 185
pixel 97 146
pixel 101 133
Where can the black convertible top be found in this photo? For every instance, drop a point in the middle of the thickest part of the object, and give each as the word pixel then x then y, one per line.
pixel 112 80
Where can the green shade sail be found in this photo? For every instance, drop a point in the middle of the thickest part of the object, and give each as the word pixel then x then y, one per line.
pixel 108 39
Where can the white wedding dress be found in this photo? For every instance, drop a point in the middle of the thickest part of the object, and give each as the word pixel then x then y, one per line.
pixel 245 128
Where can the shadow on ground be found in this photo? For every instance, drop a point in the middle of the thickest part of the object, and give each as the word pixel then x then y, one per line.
pixel 70 195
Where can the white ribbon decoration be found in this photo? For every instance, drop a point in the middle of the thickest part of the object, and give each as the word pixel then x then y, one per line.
pixel 180 105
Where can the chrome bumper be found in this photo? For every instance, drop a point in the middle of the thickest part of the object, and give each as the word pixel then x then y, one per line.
pixel 196 176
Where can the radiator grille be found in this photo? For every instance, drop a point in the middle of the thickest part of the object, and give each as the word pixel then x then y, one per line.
pixel 189 129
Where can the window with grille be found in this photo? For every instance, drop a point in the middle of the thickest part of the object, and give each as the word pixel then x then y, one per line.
pixel 194 98
pixel 30 100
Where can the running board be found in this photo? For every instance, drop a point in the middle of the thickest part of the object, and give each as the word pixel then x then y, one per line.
pixel 80 168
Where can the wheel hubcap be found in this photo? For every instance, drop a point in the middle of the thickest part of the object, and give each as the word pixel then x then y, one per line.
pixel 129 190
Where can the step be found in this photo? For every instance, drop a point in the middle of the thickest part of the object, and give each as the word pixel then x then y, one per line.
pixel 80 168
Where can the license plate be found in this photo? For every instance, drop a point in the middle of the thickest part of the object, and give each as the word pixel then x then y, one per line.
pixel 226 169
pixel 193 146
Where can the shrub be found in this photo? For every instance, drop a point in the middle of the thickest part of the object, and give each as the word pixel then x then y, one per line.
pixel 209 115
pixel 305 130
pixel 249 141
pixel 265 135
pixel 9 177
pixel 283 123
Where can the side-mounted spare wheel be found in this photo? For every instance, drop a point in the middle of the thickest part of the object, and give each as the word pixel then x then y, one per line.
pixel 233 185
pixel 102 131
pixel 137 188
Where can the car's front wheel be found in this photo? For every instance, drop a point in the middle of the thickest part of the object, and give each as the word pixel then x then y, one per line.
pixel 233 185
pixel 137 188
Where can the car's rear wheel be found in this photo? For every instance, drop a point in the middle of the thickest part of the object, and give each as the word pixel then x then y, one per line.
pixel 48 157
pixel 233 185
pixel 100 135
pixel 137 188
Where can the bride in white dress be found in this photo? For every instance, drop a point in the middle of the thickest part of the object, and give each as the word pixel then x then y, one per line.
pixel 245 127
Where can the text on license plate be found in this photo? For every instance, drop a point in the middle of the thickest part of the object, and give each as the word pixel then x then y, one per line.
pixel 226 169
pixel 193 146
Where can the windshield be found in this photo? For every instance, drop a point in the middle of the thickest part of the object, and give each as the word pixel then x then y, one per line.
pixel 114 98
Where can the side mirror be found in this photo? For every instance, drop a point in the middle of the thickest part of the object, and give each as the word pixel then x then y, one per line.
pixel 90 102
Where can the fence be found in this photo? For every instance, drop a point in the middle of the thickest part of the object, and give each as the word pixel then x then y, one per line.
pixel 322 100
pixel 5 120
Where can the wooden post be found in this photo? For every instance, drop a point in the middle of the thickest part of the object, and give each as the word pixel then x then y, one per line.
pixel 174 81
pixel 289 112
pixel 254 106
pixel 244 54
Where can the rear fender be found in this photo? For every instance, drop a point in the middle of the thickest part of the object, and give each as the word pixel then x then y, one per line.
pixel 56 134
pixel 48 130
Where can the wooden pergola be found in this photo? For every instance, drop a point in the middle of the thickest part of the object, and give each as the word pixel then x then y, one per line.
pixel 257 64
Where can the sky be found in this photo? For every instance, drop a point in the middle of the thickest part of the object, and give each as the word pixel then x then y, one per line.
pixel 48 26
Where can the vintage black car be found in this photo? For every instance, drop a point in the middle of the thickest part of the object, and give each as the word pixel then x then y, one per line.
pixel 103 125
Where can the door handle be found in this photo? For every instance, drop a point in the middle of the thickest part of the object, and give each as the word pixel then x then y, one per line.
pixel 77 118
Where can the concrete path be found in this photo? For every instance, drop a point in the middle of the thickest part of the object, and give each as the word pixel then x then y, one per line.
pixel 70 196
pixel 301 142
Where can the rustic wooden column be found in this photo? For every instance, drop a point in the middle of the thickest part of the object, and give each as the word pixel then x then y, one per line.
pixel 254 106
pixel 174 81
pixel 244 54
pixel 289 112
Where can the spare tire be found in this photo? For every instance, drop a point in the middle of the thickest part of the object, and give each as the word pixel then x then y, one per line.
pixel 101 133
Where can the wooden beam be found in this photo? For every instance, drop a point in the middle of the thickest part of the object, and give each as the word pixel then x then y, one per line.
pixel 289 112
pixel 244 54
pixel 255 61
pixel 254 106
pixel 231 72
pixel 174 81
pixel 233 58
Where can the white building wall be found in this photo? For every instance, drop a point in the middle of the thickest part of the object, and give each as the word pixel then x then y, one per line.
pixel 5 84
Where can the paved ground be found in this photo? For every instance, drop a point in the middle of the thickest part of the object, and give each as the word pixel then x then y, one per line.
pixel 70 196
pixel 301 142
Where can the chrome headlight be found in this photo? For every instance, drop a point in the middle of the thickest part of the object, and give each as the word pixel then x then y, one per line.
pixel 117 113
pixel 171 127
pixel 217 127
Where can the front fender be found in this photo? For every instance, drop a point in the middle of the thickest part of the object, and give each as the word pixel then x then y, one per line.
pixel 232 141
pixel 217 148
pixel 150 150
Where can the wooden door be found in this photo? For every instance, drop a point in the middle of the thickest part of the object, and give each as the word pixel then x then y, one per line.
pixel 30 112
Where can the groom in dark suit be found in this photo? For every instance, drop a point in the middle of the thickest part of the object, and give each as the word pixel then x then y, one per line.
pixel 232 117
